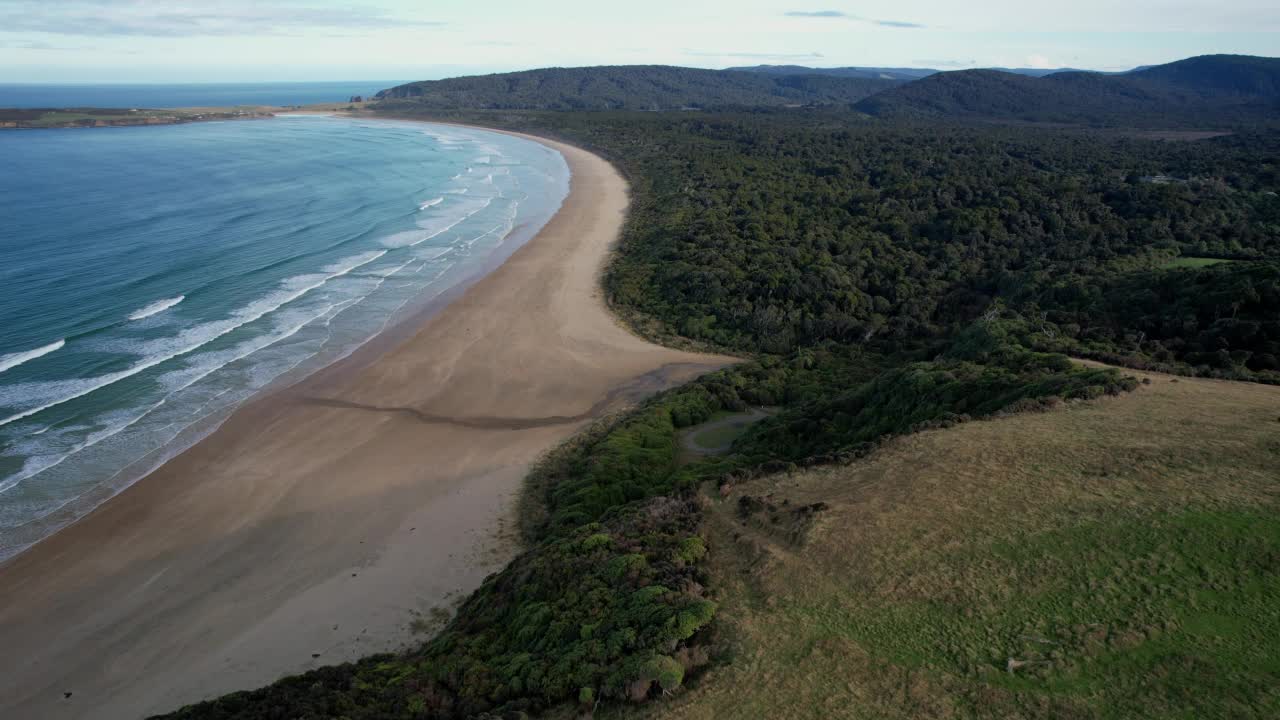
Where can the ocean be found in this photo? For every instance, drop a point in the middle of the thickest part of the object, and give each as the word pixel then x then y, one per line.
pixel 154 278
pixel 32 95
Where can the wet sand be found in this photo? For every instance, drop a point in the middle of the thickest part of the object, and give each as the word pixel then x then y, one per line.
pixel 317 522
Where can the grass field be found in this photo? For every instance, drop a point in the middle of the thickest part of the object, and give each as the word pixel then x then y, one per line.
pixel 58 118
pixel 76 117
pixel 1112 559
pixel 716 435
pixel 719 436
pixel 1193 262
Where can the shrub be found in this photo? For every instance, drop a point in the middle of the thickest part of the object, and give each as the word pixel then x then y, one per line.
pixel 559 624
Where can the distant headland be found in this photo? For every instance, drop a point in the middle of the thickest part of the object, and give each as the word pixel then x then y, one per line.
pixel 35 118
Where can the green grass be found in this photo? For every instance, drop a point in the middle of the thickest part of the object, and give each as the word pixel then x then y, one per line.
pixel 73 117
pixel 721 429
pixel 719 436
pixel 1174 615
pixel 62 117
pixel 1193 262
pixel 1113 559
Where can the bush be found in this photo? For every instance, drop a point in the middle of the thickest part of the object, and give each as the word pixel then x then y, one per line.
pixel 559 624
pixel 933 393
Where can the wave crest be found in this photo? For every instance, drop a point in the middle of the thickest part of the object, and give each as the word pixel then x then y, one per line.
pixel 158 306
pixel 192 338
pixel 13 360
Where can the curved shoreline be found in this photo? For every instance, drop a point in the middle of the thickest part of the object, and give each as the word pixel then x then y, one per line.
pixel 395 328
pixel 305 531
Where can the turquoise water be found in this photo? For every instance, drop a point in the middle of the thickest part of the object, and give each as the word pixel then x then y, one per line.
pixel 154 278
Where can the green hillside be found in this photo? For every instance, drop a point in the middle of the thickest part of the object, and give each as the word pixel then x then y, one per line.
pixel 1114 559
pixel 632 87
pixel 1217 90
pixel 1208 91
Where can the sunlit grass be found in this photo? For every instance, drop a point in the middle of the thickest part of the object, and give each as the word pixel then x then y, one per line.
pixel 1193 262
pixel 1113 559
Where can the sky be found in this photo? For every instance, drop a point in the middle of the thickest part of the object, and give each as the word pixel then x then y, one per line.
pixel 313 40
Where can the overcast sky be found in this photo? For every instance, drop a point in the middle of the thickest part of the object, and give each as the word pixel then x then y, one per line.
pixel 259 40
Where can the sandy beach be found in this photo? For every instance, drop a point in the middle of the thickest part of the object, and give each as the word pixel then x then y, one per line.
pixel 319 521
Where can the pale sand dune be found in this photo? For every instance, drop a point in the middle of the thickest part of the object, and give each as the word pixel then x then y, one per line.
pixel 316 520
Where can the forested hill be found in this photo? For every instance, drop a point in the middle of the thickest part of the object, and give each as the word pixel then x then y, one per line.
pixel 1207 91
pixel 1222 89
pixel 884 73
pixel 633 87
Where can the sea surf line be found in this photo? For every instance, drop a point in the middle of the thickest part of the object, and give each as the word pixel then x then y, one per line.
pixel 282 255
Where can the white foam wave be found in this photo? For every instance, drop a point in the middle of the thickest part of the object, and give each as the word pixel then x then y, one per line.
pixel 428 254
pixel 187 341
pixel 389 272
pixel 119 421
pixel 444 139
pixel 13 360
pixel 413 238
pixel 158 306
pixel 431 203
pixel 505 227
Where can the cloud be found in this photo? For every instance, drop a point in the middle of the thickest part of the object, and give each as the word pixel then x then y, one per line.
pixel 40 46
pixel 755 56
pixel 838 15
pixel 818 14
pixel 155 18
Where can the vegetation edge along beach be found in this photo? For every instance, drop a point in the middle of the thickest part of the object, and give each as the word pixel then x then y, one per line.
pixel 621 512
pixel 926 494
pixel 508 337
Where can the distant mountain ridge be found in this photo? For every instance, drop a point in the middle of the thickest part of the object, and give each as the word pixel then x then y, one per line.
pixel 1227 88
pixel 634 87
pixel 1208 90
pixel 898 73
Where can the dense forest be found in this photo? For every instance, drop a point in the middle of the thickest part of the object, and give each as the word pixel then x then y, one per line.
pixel 633 87
pixel 1208 91
pixel 771 232
pixel 891 73
pixel 1213 91
pixel 878 279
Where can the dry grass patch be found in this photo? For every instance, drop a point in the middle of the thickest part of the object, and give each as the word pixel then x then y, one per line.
pixel 1116 558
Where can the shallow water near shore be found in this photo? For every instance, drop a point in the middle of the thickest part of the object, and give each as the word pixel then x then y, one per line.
pixel 155 278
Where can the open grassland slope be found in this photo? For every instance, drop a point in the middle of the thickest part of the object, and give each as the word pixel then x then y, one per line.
pixel 1114 558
